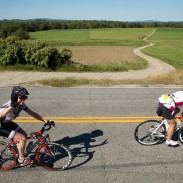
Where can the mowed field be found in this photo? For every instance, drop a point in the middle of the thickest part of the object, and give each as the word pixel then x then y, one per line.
pixel 103 54
pixel 168 46
pixel 108 46
pixel 97 46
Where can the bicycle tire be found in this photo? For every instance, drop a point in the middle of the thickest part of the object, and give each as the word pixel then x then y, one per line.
pixel 180 135
pixel 143 135
pixel 60 160
pixel 7 157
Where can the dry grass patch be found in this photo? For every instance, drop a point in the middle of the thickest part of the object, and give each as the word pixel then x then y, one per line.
pixel 103 54
pixel 173 78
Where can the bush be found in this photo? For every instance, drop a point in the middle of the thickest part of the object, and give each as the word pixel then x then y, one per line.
pixel 65 56
pixel 13 51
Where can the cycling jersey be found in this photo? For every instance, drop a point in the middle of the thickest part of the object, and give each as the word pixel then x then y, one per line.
pixel 13 113
pixel 171 101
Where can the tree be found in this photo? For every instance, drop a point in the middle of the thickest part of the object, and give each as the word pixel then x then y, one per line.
pixel 21 34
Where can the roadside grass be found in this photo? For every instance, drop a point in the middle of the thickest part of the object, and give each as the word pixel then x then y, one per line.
pixel 173 78
pixel 19 67
pixel 117 67
pixel 77 67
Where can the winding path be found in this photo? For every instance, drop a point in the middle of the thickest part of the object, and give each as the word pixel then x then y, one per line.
pixel 156 67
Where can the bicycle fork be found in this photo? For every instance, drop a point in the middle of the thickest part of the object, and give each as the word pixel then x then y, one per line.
pixel 48 150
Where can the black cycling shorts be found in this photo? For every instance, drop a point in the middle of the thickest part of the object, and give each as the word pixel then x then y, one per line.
pixel 167 113
pixel 9 129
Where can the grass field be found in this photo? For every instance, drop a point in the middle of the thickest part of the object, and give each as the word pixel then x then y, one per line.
pixel 98 46
pixel 93 37
pixel 103 54
pixel 168 46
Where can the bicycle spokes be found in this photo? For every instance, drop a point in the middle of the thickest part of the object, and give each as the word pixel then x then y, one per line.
pixel 54 157
pixel 7 157
pixel 150 132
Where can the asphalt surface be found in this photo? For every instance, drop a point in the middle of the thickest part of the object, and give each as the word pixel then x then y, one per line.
pixel 104 152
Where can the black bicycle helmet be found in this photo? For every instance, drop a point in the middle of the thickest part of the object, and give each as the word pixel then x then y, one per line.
pixel 21 91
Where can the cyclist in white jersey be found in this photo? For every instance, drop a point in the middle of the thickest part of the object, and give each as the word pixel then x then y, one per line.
pixel 169 106
pixel 9 112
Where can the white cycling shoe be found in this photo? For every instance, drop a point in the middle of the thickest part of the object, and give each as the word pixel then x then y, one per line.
pixel 25 162
pixel 171 143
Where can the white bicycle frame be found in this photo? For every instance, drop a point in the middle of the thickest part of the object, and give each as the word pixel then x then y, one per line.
pixel 157 127
pixel 163 121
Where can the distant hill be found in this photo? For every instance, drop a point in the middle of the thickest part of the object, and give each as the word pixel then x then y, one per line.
pixel 136 21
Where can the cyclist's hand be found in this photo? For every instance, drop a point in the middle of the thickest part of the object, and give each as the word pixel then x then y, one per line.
pixel 14 100
pixel 50 122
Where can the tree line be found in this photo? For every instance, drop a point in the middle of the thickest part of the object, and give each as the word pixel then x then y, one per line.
pixel 21 28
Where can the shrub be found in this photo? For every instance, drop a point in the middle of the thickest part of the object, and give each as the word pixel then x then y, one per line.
pixel 13 51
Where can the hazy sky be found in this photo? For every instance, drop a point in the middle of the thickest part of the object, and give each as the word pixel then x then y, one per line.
pixel 117 10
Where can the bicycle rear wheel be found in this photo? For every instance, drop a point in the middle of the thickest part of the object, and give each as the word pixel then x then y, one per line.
pixel 7 157
pixel 146 133
pixel 53 156
pixel 180 135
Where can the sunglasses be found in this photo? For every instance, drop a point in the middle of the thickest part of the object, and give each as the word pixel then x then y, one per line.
pixel 23 97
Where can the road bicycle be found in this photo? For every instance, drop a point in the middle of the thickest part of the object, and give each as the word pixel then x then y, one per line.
pixel 153 132
pixel 49 155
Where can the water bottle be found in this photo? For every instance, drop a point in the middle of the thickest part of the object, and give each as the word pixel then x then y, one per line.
pixel 29 146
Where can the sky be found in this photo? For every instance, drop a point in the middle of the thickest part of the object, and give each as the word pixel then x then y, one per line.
pixel 115 10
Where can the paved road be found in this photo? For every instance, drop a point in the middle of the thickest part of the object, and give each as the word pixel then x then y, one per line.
pixel 105 152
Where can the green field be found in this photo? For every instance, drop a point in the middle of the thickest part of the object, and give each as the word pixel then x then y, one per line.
pixel 94 37
pixel 168 41
pixel 168 46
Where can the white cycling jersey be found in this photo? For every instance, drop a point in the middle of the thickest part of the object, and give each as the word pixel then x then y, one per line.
pixel 171 101
pixel 13 113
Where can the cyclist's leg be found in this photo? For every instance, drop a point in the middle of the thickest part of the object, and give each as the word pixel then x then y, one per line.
pixel 169 115
pixel 15 132
pixel 172 125
pixel 21 137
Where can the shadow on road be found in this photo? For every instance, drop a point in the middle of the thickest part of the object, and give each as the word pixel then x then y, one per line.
pixel 84 142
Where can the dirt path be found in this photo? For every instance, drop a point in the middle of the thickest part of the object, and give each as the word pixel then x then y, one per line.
pixel 156 67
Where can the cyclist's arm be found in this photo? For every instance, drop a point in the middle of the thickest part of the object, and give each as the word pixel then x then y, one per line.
pixel 35 115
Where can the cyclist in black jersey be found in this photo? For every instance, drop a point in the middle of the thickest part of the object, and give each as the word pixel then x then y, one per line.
pixel 9 112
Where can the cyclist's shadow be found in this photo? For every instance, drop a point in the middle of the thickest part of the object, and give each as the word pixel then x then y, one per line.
pixel 84 142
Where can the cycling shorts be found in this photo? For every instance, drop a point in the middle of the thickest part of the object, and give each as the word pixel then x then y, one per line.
pixel 167 113
pixel 9 129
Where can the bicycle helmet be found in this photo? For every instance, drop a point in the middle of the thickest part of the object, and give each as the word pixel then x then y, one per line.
pixel 21 91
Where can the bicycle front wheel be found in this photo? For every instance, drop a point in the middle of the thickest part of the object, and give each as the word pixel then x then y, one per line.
pixel 7 157
pixel 53 156
pixel 148 133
